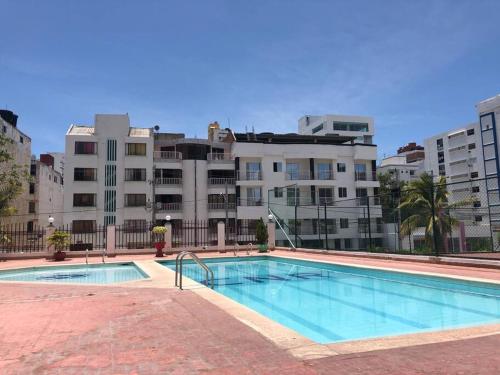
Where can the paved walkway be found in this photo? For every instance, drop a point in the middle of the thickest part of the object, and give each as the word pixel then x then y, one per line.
pixel 63 329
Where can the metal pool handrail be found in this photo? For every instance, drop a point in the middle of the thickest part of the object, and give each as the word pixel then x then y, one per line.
pixel 178 268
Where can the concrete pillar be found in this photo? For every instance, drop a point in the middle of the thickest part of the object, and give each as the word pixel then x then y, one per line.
pixel 110 240
pixel 271 232
pixel 48 232
pixel 221 235
pixel 168 237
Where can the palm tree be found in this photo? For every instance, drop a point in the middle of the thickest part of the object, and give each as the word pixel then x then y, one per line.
pixel 427 203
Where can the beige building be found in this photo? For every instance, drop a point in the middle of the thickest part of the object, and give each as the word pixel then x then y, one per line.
pixel 20 149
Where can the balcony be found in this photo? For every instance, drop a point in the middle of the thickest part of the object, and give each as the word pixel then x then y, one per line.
pixel 167 156
pixel 216 156
pixel 221 206
pixel 365 176
pixel 168 181
pixel 249 176
pixel 324 175
pixel 363 201
pixel 169 207
pixel 305 201
pixel 299 175
pixel 220 181
pixel 249 202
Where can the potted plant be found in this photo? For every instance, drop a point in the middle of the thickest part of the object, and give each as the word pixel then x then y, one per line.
pixel 159 239
pixel 59 240
pixel 261 235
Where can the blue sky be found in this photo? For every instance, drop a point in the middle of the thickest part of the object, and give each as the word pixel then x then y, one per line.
pixel 417 67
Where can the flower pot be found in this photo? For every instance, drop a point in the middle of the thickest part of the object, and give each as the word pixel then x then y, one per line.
pixel 262 248
pixel 59 256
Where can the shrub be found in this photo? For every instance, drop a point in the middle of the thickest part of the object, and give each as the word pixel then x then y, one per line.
pixel 261 234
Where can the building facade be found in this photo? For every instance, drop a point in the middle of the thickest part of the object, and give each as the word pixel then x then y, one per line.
pixel 20 149
pixel 118 174
pixel 360 127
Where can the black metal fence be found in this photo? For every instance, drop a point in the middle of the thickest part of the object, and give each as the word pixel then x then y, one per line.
pixel 18 238
pixel 424 216
pixel 241 232
pixel 81 239
pixel 134 236
pixel 194 233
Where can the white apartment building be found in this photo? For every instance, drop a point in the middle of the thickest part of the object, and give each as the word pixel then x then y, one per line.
pixel 20 149
pixel 119 174
pixel 360 127
pixel 398 166
pixel 489 118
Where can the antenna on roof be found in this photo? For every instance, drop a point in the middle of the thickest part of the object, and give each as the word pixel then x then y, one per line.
pixel 253 129
pixel 246 129
pixel 229 123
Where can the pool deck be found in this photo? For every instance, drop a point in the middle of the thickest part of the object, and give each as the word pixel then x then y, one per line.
pixel 148 327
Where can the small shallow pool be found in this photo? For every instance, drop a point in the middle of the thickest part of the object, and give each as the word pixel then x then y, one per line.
pixel 332 303
pixel 82 274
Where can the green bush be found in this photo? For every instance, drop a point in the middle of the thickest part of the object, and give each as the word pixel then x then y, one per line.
pixel 261 234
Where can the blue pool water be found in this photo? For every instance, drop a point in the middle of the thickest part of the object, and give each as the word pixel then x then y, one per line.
pixel 331 303
pixel 83 274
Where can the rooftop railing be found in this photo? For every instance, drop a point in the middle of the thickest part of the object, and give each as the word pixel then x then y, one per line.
pixel 167 155
pixel 177 206
pixel 216 156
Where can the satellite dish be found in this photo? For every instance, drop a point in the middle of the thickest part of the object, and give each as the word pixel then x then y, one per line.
pixel 156 128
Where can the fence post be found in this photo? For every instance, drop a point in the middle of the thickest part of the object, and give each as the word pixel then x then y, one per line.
pixel 221 235
pixel 369 223
pixel 168 237
pixel 110 239
pixel 49 231
pixel 433 213
pixel 271 232
pixel 326 229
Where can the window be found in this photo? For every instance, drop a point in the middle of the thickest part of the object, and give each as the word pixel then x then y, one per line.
pixel 21 139
pixel 292 196
pixel 32 188
pixel 83 200
pixel 325 196
pixel 442 170
pixel 360 172
pixel 33 170
pixel 85 148
pixel 331 226
pixel 470 131
pixel 324 171
pixel 292 171
pixel 477 204
pixel 278 192
pixel 135 225
pixel 135 200
pixel 83 226
pixel 439 143
pixel 344 223
pixel 277 166
pixel 342 192
pixel 4 129
pixel 135 174
pixel 347 243
pixel 478 218
pixel 475 189
pixel 85 174
pixel 412 173
pixel 31 207
pixel 362 196
pixel 55 179
pixel 254 196
pixel 317 128
pixel 253 170
pixel 474 175
pixel 135 149
pixel 341 167
pixel 472 146
pixel 29 226
pixel 440 157
pixel 350 126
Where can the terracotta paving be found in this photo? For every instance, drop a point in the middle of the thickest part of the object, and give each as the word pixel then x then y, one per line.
pixel 63 329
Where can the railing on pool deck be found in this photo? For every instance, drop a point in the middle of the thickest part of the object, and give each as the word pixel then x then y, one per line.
pixel 178 268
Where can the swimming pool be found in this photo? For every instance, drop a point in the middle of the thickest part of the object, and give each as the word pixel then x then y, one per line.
pixel 331 303
pixel 83 274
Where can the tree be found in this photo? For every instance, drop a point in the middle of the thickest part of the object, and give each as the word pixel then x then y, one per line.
pixel 389 192
pixel 428 203
pixel 12 177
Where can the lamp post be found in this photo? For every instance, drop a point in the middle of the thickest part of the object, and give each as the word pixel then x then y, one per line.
pixel 270 217
pixel 51 221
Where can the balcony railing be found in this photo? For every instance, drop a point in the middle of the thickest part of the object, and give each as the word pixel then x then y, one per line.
pixel 177 206
pixel 365 176
pixel 221 206
pixel 221 181
pixel 167 155
pixel 300 175
pixel 249 202
pixel 216 156
pixel 168 181
pixel 305 201
pixel 249 176
pixel 324 175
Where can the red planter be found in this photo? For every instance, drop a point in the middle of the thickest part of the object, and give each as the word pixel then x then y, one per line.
pixel 159 248
pixel 59 256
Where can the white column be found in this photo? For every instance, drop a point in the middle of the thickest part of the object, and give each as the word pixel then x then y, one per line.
pixel 168 237
pixel 221 235
pixel 48 232
pixel 271 232
pixel 110 239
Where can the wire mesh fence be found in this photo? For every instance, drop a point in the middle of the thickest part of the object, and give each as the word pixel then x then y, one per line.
pixel 429 216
